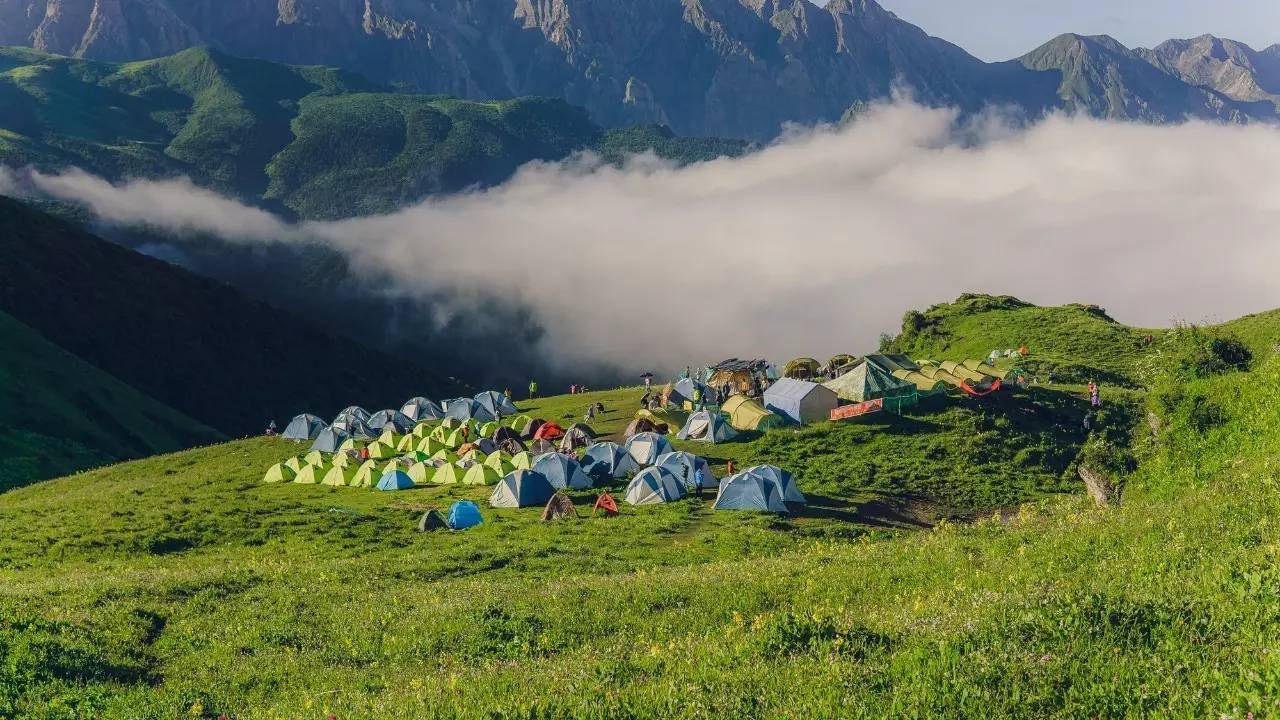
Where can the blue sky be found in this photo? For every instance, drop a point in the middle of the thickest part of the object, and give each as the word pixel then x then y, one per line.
pixel 1004 29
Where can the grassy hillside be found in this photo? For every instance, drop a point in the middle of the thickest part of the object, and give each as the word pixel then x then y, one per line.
pixel 1069 343
pixel 58 414
pixel 256 600
pixel 192 344
pixel 321 142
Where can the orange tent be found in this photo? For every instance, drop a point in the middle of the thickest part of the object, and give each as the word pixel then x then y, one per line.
pixel 605 504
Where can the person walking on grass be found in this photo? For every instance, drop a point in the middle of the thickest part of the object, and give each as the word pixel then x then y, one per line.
pixel 533 389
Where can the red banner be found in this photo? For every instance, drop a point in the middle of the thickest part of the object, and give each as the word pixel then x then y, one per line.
pixel 852 411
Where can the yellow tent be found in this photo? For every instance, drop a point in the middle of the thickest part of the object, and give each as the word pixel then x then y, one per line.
pixel 279 473
pixel 447 475
pixel 481 475
pixel 340 476
pixel 310 475
pixel 747 414
pixel 367 475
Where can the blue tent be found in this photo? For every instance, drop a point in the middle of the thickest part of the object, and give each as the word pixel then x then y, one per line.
pixel 562 471
pixel 522 488
pixel 685 467
pixel 354 426
pixel 495 403
pixel 654 485
pixel 420 408
pixel 390 420
pixel 467 409
pixel 303 427
pixel 645 447
pixel 783 479
pixel 683 390
pixel 329 439
pixel 395 480
pixel 464 514
pixel 800 401
pixel 606 460
pixel 748 491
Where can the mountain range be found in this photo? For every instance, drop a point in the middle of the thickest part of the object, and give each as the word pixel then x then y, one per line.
pixel 729 68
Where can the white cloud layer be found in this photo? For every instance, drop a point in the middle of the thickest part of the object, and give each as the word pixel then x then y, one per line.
pixel 817 244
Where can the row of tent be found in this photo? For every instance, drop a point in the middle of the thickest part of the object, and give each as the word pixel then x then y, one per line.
pixel 355 421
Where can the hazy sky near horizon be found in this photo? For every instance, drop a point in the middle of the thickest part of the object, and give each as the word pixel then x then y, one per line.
pixel 1005 29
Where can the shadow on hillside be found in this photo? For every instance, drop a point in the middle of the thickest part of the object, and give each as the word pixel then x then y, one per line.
pixel 889 513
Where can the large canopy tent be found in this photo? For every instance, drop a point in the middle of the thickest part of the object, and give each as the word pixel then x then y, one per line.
pixel 395 420
pixel 329 440
pixel 644 448
pixel 652 486
pixel 562 471
pixel 685 466
pixel 925 387
pixel 747 414
pixel 706 426
pixel 420 408
pixel 522 488
pixel 748 491
pixel 801 368
pixel 866 382
pixel 303 427
pixel 892 361
pixel 800 401
pixel 742 376
pixel 495 403
pixel 606 460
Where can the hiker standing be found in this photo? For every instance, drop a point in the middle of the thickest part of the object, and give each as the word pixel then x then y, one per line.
pixel 698 481
pixel 1088 421
pixel 573 389
pixel 697 397
pixel 1095 398
pixel 729 468
pixel 533 389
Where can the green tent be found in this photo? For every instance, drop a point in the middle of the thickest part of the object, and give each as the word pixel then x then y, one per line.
pixel 419 472
pixel 279 473
pixel 747 414
pixel 447 475
pixel 445 455
pixel 311 475
pixel 481 475
pixel 295 464
pixel 520 423
pixel 381 451
pixel 407 443
pixel 340 476
pixel 367 474
pixel 866 382
pixel 522 461
pixel 500 462
pixel 315 457
pixel 429 446
pixel 488 429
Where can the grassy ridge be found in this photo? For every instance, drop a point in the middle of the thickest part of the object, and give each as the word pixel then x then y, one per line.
pixel 319 142
pixel 58 414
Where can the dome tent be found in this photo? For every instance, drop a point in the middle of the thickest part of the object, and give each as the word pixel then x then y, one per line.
pixel 310 475
pixel 522 460
pixel 652 486
pixel 395 420
pixel 303 427
pixel 464 514
pixel 800 402
pixel 706 426
pixel 579 435
pixel 685 466
pixel 340 476
pixel 354 426
pixel 395 480
pixel 606 460
pixel 522 488
pixel 495 403
pixel 366 475
pixel 420 408
pixel 644 448
pixel 747 491
pixel 279 473
pixel 684 391
pixel 746 414
pixel 783 479
pixel 449 474
pixel 356 411
pixel 479 474
pixel 463 409
pixel 329 440
pixel 562 471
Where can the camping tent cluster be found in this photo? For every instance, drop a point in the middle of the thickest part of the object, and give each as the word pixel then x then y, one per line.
pixel 971 377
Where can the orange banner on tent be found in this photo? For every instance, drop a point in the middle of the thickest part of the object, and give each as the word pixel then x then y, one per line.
pixel 858 410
